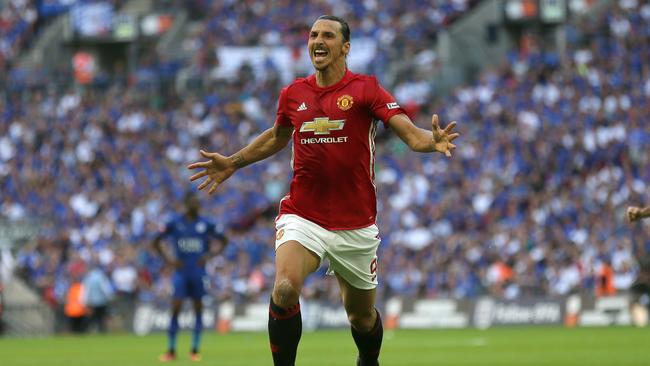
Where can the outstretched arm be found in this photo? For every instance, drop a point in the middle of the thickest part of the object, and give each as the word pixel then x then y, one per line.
pixel 637 213
pixel 218 168
pixel 421 140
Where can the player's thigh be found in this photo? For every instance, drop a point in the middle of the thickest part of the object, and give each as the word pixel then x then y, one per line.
pixel 181 286
pixel 196 288
pixel 359 302
pixel 299 249
pixel 353 257
pixel 294 262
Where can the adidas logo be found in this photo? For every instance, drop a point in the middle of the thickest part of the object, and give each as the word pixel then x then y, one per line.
pixel 303 107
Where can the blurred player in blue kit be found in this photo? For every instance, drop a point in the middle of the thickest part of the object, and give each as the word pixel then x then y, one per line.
pixel 193 239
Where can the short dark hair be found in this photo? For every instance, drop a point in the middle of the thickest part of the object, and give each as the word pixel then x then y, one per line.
pixel 345 28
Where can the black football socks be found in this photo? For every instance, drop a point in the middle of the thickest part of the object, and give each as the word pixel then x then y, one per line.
pixel 369 344
pixel 285 329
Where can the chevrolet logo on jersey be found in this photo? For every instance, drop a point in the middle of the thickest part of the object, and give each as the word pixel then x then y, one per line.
pixel 322 125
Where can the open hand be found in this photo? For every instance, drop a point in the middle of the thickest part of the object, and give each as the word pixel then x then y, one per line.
pixel 217 169
pixel 442 138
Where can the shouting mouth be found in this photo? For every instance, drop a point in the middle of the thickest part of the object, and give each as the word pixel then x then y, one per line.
pixel 320 54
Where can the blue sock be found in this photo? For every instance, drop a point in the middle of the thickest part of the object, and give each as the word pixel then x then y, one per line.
pixel 196 334
pixel 171 333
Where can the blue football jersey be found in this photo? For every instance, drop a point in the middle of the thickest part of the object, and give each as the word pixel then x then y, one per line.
pixel 191 240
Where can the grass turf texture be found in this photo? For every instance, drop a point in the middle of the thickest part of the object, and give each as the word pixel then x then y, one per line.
pixel 616 346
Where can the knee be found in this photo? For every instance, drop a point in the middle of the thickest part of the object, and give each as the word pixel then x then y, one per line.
pixel 363 321
pixel 198 307
pixel 285 293
pixel 176 307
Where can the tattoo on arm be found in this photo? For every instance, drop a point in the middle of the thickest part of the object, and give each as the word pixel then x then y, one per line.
pixel 238 160
pixel 645 211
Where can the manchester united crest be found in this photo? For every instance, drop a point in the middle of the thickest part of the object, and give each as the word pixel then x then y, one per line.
pixel 279 234
pixel 345 102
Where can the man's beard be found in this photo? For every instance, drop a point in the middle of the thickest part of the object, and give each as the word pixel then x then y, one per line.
pixel 325 66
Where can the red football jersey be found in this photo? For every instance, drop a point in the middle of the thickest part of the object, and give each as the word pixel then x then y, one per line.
pixel 334 149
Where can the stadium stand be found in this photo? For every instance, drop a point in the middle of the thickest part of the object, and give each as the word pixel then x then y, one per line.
pixel 17 19
pixel 553 146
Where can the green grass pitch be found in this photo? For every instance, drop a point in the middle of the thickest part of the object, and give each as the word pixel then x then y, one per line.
pixel 616 346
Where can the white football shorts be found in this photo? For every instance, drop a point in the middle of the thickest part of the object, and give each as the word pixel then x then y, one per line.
pixel 352 254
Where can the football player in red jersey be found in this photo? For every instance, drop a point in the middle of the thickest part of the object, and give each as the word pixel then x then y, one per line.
pixel 330 210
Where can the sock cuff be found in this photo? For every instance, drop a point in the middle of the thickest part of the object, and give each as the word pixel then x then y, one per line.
pixel 280 313
pixel 375 328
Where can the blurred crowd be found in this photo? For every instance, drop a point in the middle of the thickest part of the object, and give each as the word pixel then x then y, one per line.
pixel 17 18
pixel 554 145
pixel 272 22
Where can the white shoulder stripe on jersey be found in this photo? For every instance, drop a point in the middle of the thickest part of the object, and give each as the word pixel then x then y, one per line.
pixel 372 131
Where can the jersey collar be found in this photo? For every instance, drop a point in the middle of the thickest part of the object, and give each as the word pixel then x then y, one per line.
pixel 347 77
